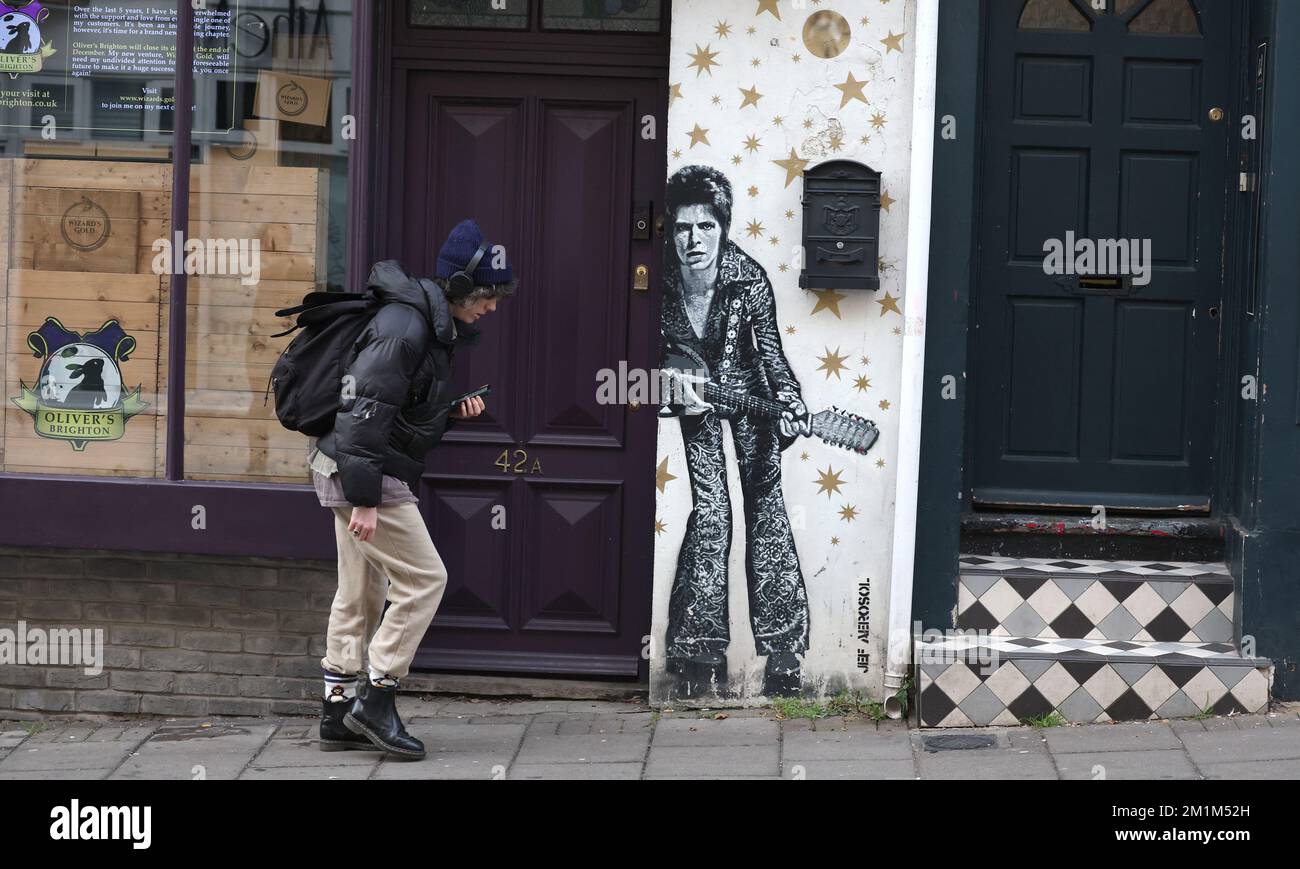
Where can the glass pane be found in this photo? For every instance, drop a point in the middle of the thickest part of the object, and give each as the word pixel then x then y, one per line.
pixel 1053 15
pixel 641 16
pixel 505 15
pixel 1173 17
pixel 85 187
pixel 269 210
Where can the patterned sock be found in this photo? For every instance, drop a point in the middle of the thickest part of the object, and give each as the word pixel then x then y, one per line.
pixel 340 688
pixel 381 679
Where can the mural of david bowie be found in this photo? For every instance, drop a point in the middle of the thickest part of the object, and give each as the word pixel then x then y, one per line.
pixel 718 302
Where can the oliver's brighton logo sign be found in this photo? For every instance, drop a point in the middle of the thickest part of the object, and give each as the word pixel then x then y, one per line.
pixel 79 396
pixel 21 48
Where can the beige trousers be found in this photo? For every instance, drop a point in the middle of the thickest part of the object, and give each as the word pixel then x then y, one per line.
pixel 402 553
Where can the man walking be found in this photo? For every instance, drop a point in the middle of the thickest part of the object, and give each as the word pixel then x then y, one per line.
pixel 397 404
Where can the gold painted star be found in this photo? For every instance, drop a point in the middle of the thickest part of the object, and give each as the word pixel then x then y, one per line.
pixel 677 152
pixel 790 330
pixel 703 60
pixel 789 214
pixel 888 303
pixel 716 100
pixel 723 29
pixel 751 30
pixel 768 6
pixel 796 57
pixel 864 21
pixel 698 135
pixel 828 300
pixel 880 463
pixel 893 42
pixel 848 513
pixel 886 200
pixel 807 123
pixel 865 360
pixel 752 143
pixel 660 527
pixel 897 331
pixel 662 476
pixel 862 383
pixel 884 404
pixel 793 166
pixel 803 457
pixel 755 62
pixel 878 121
pixel 837 144
pixel 832 363
pixel 752 96
pixel 851 90
pixel 735 159
pixel 755 229
pixel 753 191
pixel 674 93
pixel 778 121
pixel 835 541
pixel 783 268
pixel 774 241
pixel 829 481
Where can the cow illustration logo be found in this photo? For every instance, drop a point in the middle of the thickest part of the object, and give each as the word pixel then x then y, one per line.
pixel 79 395
pixel 841 219
pixel 21 48
pixel 292 99
pixel 85 226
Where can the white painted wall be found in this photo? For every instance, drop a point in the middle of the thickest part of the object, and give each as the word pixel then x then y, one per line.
pixel 745 49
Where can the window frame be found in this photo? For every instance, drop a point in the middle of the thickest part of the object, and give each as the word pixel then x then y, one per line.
pixel 162 514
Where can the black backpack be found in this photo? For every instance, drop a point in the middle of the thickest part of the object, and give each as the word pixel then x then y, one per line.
pixel 307 378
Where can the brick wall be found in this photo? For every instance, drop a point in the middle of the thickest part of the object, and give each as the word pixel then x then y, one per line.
pixel 183 635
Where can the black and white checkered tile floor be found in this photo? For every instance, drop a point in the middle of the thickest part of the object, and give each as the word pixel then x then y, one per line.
pixel 1094 641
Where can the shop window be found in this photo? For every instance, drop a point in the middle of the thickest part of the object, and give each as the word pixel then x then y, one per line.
pixel 639 16
pixel 268 185
pixel 1169 17
pixel 512 14
pixel 86 246
pixel 1053 15
pixel 85 185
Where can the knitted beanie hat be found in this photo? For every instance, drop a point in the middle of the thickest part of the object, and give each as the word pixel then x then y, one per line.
pixel 459 249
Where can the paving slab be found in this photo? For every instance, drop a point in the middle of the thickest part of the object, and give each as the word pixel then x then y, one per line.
pixel 856 770
pixel 714 761
pixel 1142 736
pixel 566 771
pixel 858 743
pixel 1236 746
pixel 1171 763
pixel 704 732
pixel 607 748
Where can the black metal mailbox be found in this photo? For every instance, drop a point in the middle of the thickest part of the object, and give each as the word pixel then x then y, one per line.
pixel 841 226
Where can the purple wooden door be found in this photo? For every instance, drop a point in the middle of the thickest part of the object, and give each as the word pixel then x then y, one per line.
pixel 549 165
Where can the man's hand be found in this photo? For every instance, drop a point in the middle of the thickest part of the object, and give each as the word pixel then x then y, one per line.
pixel 364 519
pixel 794 419
pixel 470 408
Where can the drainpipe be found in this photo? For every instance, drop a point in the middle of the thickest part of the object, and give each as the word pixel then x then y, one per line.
pixel 920 197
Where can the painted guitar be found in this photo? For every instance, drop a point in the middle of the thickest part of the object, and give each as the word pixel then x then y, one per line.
pixel 687 374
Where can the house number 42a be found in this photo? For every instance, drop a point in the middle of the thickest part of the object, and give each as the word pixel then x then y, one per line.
pixel 516 461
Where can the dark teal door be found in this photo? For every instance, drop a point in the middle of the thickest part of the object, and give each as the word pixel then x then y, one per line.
pixel 1111 126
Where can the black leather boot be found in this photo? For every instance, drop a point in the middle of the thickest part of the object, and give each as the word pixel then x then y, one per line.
pixel 702 675
pixel 334 736
pixel 781 675
pixel 374 716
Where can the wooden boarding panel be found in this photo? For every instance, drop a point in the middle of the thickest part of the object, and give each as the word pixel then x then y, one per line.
pixel 79 229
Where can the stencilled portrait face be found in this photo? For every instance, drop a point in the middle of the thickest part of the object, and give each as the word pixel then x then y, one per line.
pixel 698 236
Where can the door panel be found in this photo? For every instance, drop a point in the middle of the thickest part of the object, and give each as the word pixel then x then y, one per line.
pixel 1097 127
pixel 542 506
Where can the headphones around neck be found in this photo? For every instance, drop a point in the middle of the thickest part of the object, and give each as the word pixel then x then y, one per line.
pixel 462 282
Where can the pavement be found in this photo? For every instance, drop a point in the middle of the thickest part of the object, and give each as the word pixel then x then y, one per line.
pixel 473 738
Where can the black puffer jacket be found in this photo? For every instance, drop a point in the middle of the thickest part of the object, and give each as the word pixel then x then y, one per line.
pixel 401 365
